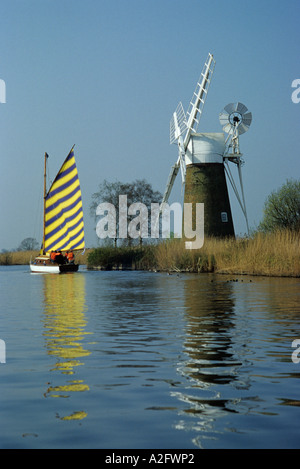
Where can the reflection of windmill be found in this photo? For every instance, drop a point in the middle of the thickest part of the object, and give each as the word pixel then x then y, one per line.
pixel 203 157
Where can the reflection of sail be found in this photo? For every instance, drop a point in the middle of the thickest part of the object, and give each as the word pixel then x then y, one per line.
pixel 65 323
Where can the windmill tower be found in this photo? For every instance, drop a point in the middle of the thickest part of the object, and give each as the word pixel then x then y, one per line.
pixel 203 158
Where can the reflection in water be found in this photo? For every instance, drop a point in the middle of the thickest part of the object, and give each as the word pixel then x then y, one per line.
pixel 178 361
pixel 213 356
pixel 234 330
pixel 209 313
pixel 65 324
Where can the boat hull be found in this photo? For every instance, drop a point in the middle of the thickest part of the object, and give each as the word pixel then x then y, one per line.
pixel 43 265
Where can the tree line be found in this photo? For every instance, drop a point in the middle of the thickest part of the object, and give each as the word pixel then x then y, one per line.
pixel 281 208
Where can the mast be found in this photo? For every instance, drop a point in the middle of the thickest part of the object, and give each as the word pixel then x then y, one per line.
pixel 45 193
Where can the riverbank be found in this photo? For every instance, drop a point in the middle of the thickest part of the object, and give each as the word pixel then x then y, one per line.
pixel 23 257
pixel 274 254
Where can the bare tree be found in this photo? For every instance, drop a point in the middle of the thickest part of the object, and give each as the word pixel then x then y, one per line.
pixel 138 191
pixel 28 244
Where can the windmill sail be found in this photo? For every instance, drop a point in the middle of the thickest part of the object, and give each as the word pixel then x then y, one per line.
pixel 64 227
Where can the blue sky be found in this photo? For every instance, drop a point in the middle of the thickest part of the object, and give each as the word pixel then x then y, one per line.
pixel 107 76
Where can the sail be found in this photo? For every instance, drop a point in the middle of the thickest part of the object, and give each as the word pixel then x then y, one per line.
pixel 64 228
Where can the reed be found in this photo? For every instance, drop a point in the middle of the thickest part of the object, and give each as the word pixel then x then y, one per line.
pixel 17 257
pixel 23 257
pixel 276 254
pixel 273 254
pixel 127 258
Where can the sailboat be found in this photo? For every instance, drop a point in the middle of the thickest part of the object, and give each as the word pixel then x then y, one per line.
pixel 63 228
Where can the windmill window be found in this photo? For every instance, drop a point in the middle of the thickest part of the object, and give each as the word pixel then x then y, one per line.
pixel 224 217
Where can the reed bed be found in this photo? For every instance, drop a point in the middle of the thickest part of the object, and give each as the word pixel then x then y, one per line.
pixel 17 257
pixel 274 254
pixel 23 257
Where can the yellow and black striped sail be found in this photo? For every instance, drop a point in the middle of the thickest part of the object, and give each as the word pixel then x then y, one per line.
pixel 64 228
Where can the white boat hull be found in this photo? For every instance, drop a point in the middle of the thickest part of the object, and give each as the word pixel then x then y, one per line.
pixel 43 265
pixel 44 269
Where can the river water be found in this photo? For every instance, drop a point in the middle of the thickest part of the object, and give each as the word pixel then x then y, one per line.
pixel 148 360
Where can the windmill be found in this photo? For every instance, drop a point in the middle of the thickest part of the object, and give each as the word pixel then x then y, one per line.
pixel 203 157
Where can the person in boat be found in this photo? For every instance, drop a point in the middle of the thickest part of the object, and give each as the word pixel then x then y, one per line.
pixel 53 256
pixel 59 258
pixel 70 257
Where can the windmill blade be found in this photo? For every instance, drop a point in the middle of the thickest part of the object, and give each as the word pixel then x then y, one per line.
pixel 245 123
pixel 223 118
pixel 170 183
pixel 242 128
pixel 177 127
pixel 247 119
pixel 178 124
pixel 181 160
pixel 171 180
pixel 228 129
pixel 241 108
pixel 197 102
pixel 229 108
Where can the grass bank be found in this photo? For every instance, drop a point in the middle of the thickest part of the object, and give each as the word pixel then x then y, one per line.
pixel 23 257
pixel 274 254
pixel 125 258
